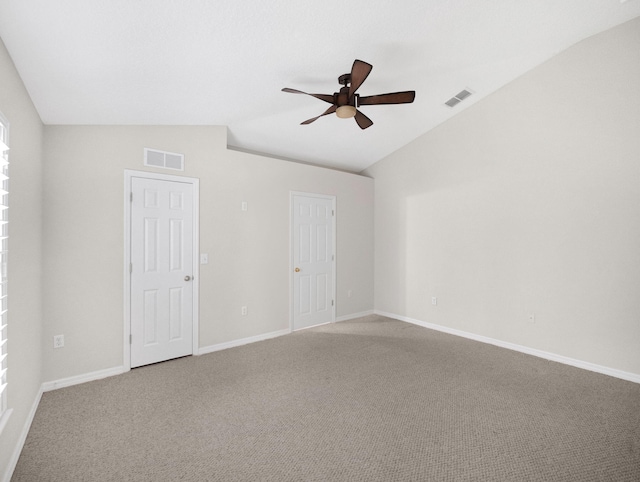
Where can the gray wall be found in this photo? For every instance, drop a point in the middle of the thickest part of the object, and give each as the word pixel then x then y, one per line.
pixel 25 254
pixel 526 202
pixel 248 251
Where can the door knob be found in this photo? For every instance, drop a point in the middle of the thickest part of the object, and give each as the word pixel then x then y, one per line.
pixel 187 278
pixel 297 270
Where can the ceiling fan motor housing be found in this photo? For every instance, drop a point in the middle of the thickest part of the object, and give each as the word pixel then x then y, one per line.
pixel 342 98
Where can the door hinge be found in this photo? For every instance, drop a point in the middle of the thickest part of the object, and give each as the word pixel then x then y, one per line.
pixel 131 197
pixel 333 213
pixel 130 267
pixel 130 338
pixel 331 302
pixel 332 257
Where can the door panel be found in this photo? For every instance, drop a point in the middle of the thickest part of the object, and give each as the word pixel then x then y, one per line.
pixel 150 317
pixel 322 298
pixel 161 274
pixel 313 258
pixel 176 249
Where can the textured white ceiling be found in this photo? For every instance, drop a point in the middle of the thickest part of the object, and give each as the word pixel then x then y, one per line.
pixel 224 62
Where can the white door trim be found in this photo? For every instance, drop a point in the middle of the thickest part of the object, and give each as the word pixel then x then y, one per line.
pixel 332 198
pixel 128 174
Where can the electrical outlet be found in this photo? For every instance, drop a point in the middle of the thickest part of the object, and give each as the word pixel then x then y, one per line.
pixel 434 300
pixel 58 341
pixel 243 311
pixel 204 258
pixel 244 206
pixel 532 318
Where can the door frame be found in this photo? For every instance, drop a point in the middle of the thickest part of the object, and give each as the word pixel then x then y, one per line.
pixel 332 198
pixel 195 182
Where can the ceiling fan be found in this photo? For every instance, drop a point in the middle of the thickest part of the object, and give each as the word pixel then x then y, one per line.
pixel 345 103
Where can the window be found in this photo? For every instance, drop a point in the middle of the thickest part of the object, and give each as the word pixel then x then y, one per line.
pixel 4 205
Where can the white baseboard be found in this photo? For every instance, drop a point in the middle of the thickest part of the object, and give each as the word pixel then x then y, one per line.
pixel 243 341
pixel 86 377
pixel 13 461
pixel 631 377
pixel 354 316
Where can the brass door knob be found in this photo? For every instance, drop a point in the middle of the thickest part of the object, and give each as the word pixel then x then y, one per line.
pixel 297 270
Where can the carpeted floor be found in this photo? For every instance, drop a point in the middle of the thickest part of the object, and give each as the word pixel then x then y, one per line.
pixel 372 399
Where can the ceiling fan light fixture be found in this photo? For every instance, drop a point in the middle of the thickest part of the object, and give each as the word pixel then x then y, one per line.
pixel 346 111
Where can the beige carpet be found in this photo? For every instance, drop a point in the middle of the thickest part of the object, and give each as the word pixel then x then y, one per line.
pixel 366 400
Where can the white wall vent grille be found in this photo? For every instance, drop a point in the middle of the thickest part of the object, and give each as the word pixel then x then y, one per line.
pixel 459 97
pixel 163 159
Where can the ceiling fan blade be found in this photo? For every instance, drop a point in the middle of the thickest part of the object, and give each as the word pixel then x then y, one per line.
pixel 359 72
pixel 392 98
pixel 330 110
pixel 362 120
pixel 326 97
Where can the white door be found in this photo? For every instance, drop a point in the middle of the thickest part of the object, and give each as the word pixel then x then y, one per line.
pixel 313 260
pixel 161 270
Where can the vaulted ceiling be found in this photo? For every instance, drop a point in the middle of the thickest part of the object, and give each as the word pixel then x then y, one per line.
pixel 224 62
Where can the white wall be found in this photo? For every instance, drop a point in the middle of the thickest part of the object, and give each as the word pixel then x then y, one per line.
pixel 248 251
pixel 526 202
pixel 25 260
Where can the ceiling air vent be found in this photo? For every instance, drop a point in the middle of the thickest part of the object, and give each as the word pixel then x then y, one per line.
pixel 163 159
pixel 459 97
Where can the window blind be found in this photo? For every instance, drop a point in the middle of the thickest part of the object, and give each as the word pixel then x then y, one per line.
pixel 4 220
